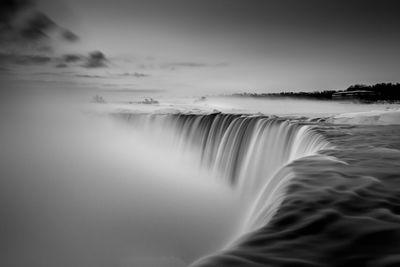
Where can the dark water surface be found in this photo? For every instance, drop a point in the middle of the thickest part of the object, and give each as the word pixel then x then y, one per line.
pixel 343 212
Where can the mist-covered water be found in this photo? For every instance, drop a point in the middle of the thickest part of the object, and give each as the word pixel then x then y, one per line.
pixel 82 191
pixel 113 185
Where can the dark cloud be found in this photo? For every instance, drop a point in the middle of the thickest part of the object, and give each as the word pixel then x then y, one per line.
pixel 69 36
pixel 71 58
pixel 34 59
pixel 37 26
pixel 61 65
pixel 10 8
pixel 96 59
pixel 21 24
pixel 64 61
pixel 8 58
pixel 93 60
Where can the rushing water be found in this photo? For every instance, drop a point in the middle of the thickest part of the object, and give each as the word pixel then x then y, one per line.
pixel 244 151
pixel 313 199
pixel 340 209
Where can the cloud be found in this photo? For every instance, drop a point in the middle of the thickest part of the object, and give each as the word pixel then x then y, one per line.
pixel 135 74
pixel 89 76
pixel 184 64
pixel 71 58
pixel 36 26
pixel 23 26
pixel 96 59
pixel 190 64
pixel 69 36
pixel 33 59
pixel 9 58
pixel 61 65
pixel 9 9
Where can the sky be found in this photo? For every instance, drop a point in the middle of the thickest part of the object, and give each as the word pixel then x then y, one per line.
pixel 220 46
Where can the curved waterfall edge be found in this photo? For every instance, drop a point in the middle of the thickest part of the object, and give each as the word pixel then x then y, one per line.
pixel 251 153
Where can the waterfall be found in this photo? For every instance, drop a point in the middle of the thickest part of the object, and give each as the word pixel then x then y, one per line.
pixel 247 152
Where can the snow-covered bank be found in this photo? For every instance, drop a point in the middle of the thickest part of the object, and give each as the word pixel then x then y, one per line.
pixel 324 111
pixel 374 117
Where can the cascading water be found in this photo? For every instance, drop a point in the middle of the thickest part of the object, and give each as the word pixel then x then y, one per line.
pixel 247 152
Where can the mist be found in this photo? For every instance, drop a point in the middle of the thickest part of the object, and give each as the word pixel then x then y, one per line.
pixel 81 190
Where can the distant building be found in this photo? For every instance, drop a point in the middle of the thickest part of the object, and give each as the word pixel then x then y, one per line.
pixel 355 95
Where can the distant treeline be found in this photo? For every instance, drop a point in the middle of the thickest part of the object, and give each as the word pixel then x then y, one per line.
pixel 383 91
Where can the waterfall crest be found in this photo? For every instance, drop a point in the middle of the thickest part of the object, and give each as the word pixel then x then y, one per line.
pixel 247 152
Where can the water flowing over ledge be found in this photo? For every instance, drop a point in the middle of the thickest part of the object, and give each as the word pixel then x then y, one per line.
pixel 323 196
pixel 247 152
